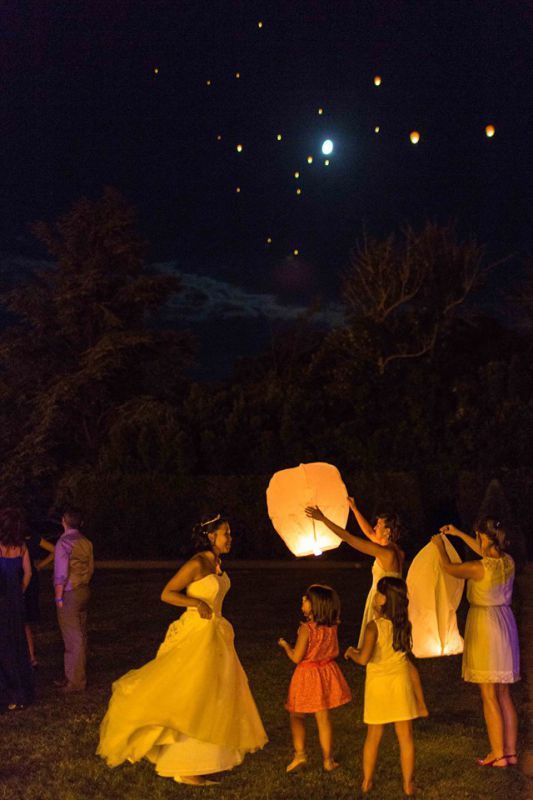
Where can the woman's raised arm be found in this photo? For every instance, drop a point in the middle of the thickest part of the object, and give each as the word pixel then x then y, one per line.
pixel 361 545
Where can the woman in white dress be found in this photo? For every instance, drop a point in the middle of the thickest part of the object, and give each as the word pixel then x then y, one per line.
pixel 189 710
pixel 491 656
pixel 382 543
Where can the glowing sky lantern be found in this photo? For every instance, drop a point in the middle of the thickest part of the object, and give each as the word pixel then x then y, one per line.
pixel 433 600
pixel 219 137
pixel 309 159
pixel 156 70
pixel 327 147
pixel 296 175
pixel 279 137
pixel 237 74
pixel 298 190
pixel 239 148
pixel 320 111
pixel 326 162
pixel 414 136
pixel 376 129
pixel 259 24
pixel 291 490
pixel 377 80
pixel 238 189
pixel 269 240
pixel 490 130
pixel 295 252
pixel 208 83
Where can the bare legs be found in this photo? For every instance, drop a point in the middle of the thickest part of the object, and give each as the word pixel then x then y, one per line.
pixel 501 722
pixel 404 734
pixel 325 737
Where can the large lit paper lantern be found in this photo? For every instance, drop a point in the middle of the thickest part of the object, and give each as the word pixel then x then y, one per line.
pixel 291 490
pixel 433 600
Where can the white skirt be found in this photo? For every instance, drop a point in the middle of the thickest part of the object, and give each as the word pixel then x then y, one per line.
pixel 491 652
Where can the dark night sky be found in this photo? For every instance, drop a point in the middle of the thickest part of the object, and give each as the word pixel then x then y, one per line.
pixel 81 108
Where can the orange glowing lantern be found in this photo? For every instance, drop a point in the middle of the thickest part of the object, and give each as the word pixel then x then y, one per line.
pixel 239 148
pixel 288 494
pixel 309 159
pixel 320 111
pixel 377 80
pixel 490 130
pixel 298 191
pixel 433 600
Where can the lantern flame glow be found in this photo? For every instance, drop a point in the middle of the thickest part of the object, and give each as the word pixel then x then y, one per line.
pixel 288 494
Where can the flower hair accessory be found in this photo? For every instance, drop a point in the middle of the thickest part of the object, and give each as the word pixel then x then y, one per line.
pixel 209 521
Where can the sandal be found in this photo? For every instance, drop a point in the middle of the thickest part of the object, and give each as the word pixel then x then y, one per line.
pixel 299 760
pixel 481 762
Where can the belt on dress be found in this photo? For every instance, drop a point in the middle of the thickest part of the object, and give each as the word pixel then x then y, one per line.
pixel 316 663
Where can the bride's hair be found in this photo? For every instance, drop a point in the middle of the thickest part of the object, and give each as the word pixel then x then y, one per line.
pixel 200 532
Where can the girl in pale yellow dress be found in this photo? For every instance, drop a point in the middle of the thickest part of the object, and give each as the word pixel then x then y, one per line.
pixel 491 656
pixel 389 693
pixel 189 710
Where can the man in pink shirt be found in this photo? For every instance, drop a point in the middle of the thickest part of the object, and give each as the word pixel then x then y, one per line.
pixel 73 569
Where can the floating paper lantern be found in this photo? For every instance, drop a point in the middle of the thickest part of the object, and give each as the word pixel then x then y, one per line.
pixel 326 162
pixel 239 148
pixel 414 137
pixel 279 137
pixel 295 252
pixel 433 600
pixel 377 80
pixel 298 191
pixel 320 111
pixel 376 129
pixel 259 24
pixel 309 159
pixel 490 130
pixel 156 70
pixel 288 494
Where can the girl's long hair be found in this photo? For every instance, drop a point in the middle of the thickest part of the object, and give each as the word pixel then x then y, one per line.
pixel 396 609
pixel 325 604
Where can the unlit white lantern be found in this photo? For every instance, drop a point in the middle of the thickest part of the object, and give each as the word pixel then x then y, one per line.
pixel 288 494
pixel 433 600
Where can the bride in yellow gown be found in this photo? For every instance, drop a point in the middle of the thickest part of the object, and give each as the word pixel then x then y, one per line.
pixel 189 710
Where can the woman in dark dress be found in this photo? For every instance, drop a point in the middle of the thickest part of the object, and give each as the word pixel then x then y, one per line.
pixel 16 674
pixel 35 544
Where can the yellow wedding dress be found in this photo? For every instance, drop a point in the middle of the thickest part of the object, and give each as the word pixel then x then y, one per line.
pixel 189 710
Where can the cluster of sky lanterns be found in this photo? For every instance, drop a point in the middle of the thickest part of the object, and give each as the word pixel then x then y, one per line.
pixel 327 146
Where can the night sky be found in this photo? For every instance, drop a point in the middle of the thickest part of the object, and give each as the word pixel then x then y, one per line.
pixel 98 93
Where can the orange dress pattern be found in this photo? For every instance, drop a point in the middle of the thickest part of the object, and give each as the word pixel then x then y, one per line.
pixel 317 682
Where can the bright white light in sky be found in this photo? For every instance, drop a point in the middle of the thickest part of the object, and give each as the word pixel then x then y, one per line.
pixel 327 147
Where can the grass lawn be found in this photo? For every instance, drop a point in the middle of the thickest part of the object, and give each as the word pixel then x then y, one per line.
pixel 47 751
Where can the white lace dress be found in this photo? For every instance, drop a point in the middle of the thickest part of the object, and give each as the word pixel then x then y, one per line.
pixel 491 652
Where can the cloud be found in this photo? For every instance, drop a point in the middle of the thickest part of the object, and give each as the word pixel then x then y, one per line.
pixel 203 298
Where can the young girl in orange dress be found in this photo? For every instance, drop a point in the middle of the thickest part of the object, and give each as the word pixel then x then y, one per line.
pixel 389 693
pixel 317 684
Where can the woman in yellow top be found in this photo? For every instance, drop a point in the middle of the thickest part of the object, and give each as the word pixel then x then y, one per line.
pixel 491 654
pixel 189 710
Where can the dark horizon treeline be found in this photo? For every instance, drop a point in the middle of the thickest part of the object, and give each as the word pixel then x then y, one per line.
pixel 416 399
